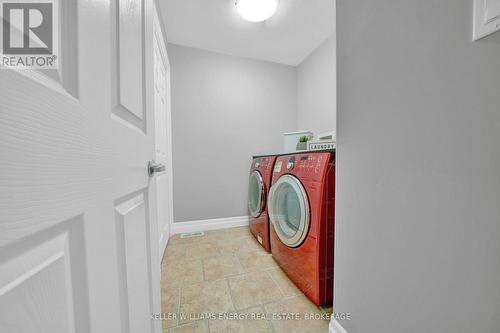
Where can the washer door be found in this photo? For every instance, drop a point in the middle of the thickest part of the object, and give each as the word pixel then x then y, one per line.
pixel 289 210
pixel 256 194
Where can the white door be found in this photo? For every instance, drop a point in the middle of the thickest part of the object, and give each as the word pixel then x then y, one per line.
pixel 78 231
pixel 163 151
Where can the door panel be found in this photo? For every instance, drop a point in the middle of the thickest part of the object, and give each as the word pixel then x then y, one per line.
pixel 128 62
pixel 130 37
pixel 486 17
pixel 40 279
pixel 132 246
pixel 492 10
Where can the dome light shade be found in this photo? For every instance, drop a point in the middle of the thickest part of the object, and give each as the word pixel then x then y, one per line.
pixel 256 10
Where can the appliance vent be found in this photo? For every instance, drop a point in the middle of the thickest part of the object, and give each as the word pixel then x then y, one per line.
pixel 192 234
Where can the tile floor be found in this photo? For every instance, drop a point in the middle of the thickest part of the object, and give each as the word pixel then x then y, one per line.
pixel 227 271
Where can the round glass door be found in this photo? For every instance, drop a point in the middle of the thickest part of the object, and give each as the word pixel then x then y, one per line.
pixel 289 210
pixel 256 194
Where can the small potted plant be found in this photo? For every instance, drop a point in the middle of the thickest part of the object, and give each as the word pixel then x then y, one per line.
pixel 302 144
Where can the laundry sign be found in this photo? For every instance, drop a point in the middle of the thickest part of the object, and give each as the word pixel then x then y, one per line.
pixel 29 34
pixel 321 145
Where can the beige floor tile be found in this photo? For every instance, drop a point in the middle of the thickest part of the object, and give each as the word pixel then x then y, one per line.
pixel 200 326
pixel 237 269
pixel 174 252
pixel 217 234
pixel 205 297
pixel 256 260
pixel 254 288
pixel 182 272
pixel 176 239
pixel 254 244
pixel 238 244
pixel 207 236
pixel 246 324
pixel 287 287
pixel 239 231
pixel 201 250
pixel 301 305
pixel 221 266
pixel 170 298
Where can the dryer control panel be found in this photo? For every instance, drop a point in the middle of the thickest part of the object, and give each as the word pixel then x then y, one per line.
pixel 308 165
pixel 312 163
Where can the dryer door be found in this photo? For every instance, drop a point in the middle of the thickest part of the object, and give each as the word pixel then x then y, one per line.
pixel 256 194
pixel 289 210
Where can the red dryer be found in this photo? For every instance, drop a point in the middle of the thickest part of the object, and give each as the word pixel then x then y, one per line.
pixel 302 210
pixel 259 184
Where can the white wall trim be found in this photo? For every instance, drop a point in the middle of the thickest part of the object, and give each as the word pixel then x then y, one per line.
pixel 164 236
pixel 212 224
pixel 335 327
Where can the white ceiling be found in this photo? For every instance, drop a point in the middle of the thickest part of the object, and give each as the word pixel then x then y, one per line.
pixel 297 28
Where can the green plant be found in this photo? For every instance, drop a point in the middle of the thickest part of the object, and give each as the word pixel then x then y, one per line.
pixel 304 138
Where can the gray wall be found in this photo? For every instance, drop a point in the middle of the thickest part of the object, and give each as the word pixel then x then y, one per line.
pixel 224 110
pixel 418 197
pixel 316 100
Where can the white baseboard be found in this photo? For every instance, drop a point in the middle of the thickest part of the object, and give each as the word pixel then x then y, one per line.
pixel 335 327
pixel 212 224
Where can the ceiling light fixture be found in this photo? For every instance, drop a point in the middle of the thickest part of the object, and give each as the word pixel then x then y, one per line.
pixel 256 10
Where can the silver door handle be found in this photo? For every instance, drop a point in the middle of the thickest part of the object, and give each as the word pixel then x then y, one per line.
pixel 154 167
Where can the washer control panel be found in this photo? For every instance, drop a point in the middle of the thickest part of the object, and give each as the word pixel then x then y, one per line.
pixel 263 163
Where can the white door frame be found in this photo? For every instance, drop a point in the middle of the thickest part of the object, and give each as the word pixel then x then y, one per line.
pixel 159 37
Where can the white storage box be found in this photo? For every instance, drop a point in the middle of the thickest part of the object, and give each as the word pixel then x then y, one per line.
pixel 332 136
pixel 291 139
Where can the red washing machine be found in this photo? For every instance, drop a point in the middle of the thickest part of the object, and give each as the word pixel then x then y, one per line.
pixel 261 174
pixel 302 211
